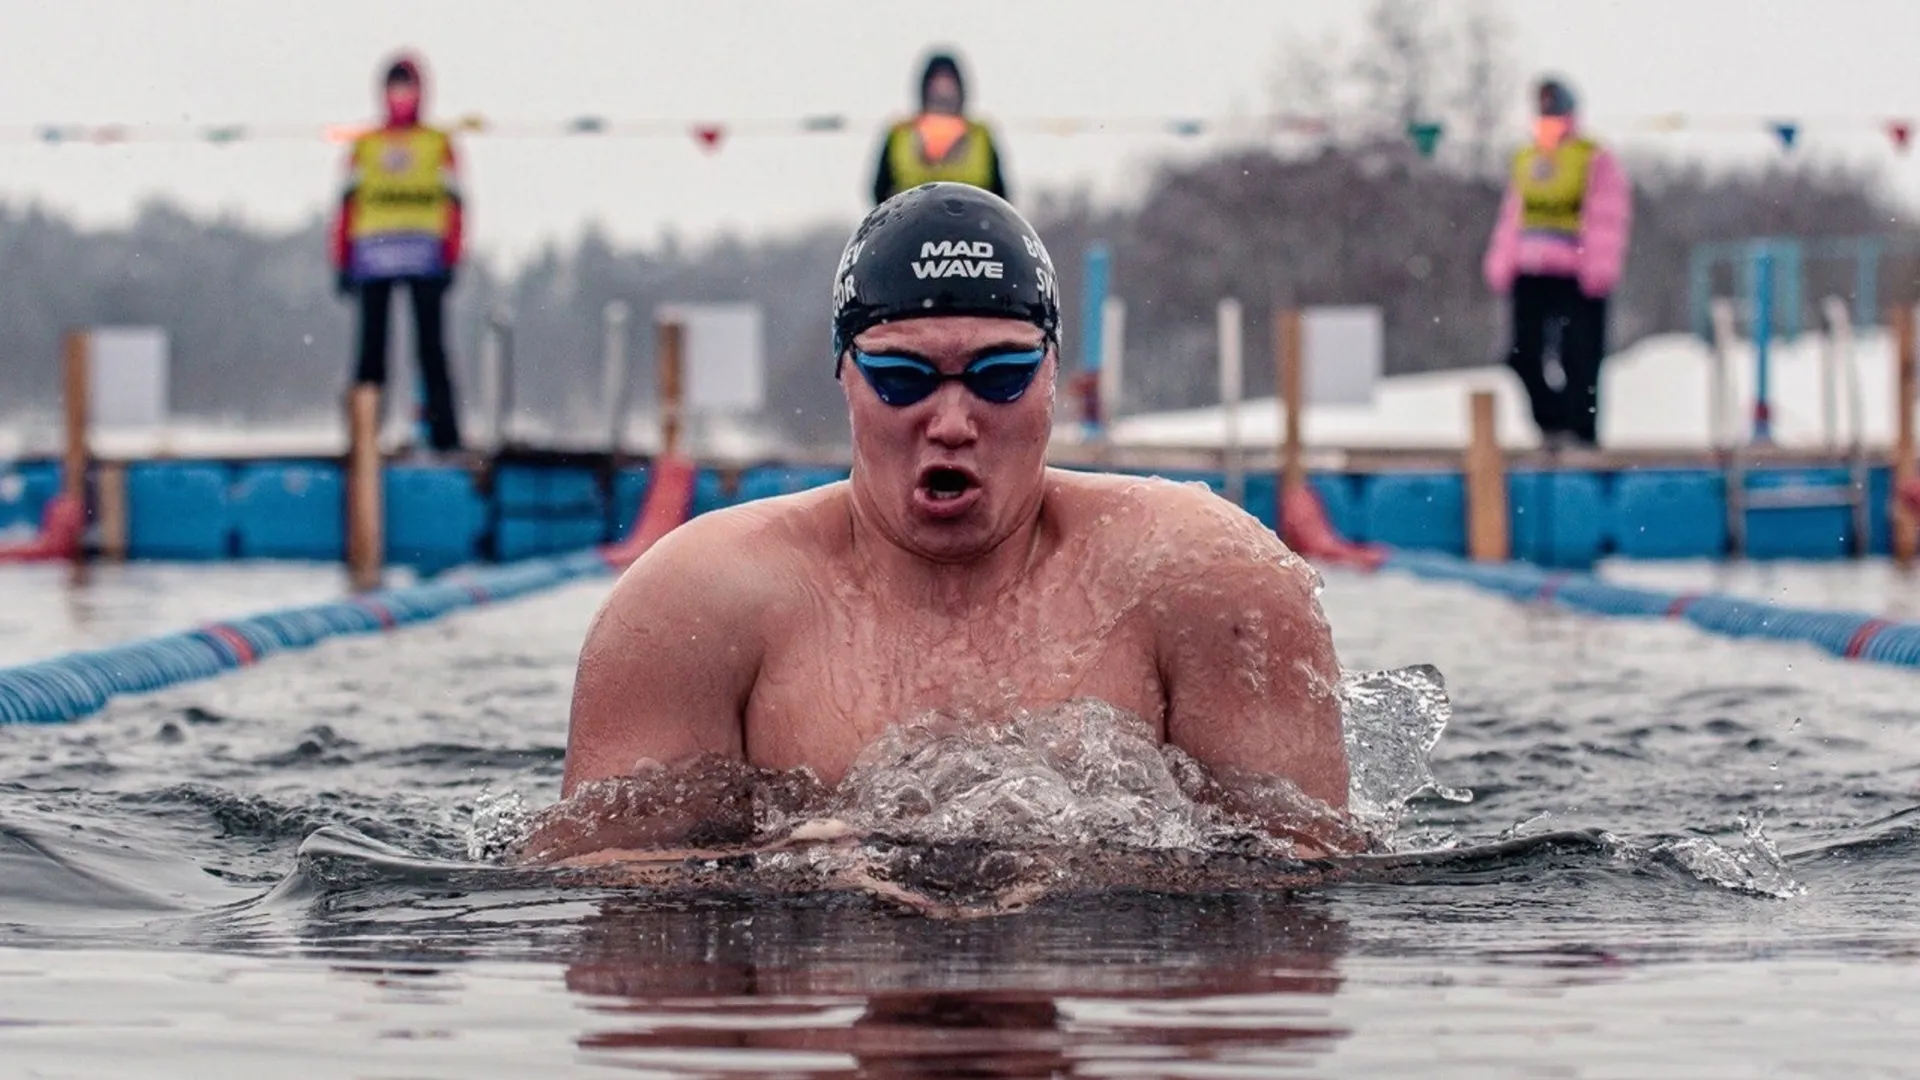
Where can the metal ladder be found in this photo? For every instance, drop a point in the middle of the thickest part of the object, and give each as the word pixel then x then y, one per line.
pixel 1839 362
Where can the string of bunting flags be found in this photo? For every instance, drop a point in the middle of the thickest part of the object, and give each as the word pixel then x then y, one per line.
pixel 710 135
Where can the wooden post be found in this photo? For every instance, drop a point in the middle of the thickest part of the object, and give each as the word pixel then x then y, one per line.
pixel 77 394
pixel 1287 357
pixel 1487 538
pixel 110 490
pixel 1906 530
pixel 365 539
pixel 671 340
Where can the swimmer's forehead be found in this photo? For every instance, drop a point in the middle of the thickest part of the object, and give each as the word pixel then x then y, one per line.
pixel 943 336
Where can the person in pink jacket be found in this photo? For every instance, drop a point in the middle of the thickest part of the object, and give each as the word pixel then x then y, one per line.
pixel 1557 250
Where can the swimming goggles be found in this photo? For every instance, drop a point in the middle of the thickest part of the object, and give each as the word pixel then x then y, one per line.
pixel 999 378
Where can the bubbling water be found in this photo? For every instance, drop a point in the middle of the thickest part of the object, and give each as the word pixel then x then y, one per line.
pixel 1082 775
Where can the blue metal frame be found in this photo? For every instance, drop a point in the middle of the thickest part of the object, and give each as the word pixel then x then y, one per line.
pixel 1099 263
pixel 1790 256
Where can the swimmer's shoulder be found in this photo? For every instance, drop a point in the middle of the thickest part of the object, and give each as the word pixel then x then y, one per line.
pixel 749 548
pixel 1168 531
pixel 1128 509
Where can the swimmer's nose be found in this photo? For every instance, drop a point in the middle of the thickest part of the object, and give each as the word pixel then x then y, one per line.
pixel 952 422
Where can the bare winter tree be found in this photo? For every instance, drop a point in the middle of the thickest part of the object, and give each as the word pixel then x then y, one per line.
pixel 1485 87
pixel 1401 64
pixel 1414 62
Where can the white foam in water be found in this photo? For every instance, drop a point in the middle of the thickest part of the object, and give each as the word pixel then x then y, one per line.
pixel 1081 775
pixel 1086 775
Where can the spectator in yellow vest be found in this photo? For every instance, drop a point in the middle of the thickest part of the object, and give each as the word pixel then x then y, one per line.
pixel 941 142
pixel 1558 249
pixel 400 224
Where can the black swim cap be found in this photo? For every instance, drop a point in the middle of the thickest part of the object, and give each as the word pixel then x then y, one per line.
pixel 943 249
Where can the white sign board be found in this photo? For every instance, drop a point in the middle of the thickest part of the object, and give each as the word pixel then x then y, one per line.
pixel 723 356
pixel 1344 350
pixel 127 368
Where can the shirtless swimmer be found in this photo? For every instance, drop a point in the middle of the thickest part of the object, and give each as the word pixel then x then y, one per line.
pixel 955 571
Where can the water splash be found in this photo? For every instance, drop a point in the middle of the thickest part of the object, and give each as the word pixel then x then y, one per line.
pixel 1080 776
pixel 500 820
pixel 1393 720
pixel 1754 866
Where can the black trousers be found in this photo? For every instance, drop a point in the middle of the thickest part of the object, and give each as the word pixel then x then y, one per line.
pixel 1554 309
pixel 428 295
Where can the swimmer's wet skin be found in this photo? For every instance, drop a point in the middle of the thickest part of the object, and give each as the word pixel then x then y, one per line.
pixel 954 574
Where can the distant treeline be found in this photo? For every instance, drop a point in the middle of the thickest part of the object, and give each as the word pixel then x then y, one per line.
pixel 258 334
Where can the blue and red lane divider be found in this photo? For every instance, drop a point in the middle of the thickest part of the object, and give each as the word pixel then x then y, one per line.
pixel 61 689
pixel 1847 634
pixel 1850 635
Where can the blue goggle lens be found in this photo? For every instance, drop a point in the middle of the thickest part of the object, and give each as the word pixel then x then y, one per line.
pixel 903 380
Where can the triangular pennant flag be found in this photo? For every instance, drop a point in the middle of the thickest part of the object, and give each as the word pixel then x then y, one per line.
pixel 709 136
pixel 586 125
pixel 1901 132
pixel 1786 132
pixel 1425 136
pixel 227 134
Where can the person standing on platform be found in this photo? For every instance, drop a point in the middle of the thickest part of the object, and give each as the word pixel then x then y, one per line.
pixel 1557 250
pixel 400 224
pixel 940 143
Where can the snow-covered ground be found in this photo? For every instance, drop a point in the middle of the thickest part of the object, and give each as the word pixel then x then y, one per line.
pixel 1654 395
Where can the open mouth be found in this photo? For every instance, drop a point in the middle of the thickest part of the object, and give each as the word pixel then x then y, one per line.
pixel 944 483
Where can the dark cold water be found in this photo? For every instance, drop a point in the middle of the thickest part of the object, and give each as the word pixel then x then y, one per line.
pixel 1683 856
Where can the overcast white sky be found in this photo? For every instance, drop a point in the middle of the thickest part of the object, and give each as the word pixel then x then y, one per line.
pixel 218 61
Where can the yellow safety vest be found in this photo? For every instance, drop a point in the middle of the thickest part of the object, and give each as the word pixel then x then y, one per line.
pixel 400 183
pixel 970 161
pixel 1553 185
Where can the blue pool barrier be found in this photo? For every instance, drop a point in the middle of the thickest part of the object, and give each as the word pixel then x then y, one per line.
pixel 434 517
pixel 1850 635
pixel 294 510
pixel 179 510
pixel 623 509
pixel 1425 511
pixel 66 688
pixel 545 510
pixel 24 492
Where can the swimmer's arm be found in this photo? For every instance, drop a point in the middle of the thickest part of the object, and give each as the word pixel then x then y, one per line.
pixel 669 662
pixel 1252 680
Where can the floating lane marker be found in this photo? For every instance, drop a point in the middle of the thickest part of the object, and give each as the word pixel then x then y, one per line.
pixel 1851 635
